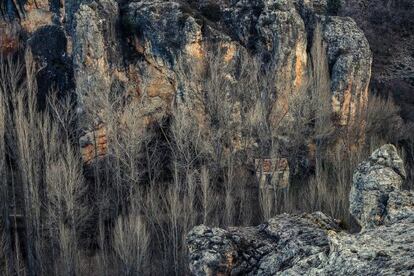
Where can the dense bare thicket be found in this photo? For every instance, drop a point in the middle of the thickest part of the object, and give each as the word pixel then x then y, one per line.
pixel 128 211
pixel 42 180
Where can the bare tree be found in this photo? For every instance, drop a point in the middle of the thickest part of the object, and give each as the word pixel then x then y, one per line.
pixel 130 242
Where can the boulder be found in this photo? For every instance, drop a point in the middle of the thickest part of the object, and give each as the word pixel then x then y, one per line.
pixel 375 196
pixel 284 243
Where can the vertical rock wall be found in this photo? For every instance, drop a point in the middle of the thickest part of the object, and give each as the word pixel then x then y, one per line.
pixel 139 49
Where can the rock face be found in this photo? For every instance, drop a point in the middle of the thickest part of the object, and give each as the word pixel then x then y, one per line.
pixel 163 37
pixel 347 56
pixel 313 244
pixel 277 31
pixel 37 25
pixel 139 48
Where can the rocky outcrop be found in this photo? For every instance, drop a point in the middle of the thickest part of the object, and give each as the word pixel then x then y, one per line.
pixel 375 197
pixel 314 244
pixel 169 43
pixel 285 243
pixel 348 58
pixel 350 64
pixel 95 27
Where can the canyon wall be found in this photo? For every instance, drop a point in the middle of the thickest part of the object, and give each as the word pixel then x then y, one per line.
pixel 156 52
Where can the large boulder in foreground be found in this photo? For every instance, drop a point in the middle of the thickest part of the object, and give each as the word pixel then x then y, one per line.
pixel 313 244
pixel 375 193
pixel 284 243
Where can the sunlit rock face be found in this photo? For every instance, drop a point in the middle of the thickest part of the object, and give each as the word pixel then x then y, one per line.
pixel 175 34
pixel 314 244
pixel 350 63
pixel 156 52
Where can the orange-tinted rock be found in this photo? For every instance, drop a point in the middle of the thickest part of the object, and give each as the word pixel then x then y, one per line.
pixel 158 85
pixel 273 173
pixel 9 38
pixel 36 18
pixel 171 44
pixel 94 144
pixel 350 58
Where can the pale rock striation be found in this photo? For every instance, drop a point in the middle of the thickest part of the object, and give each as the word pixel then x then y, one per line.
pixel 314 244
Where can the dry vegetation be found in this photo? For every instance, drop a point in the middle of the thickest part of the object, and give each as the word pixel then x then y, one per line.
pixel 128 213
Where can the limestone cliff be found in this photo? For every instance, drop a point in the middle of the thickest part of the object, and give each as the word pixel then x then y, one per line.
pixel 139 49
pixel 314 244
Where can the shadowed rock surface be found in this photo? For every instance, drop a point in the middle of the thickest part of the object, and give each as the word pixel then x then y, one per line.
pixel 389 28
pixel 314 244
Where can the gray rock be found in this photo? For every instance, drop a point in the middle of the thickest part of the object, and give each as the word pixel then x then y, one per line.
pixel 374 182
pixel 350 61
pixel 285 242
pixel 313 244
pixel 93 51
pixel 385 250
